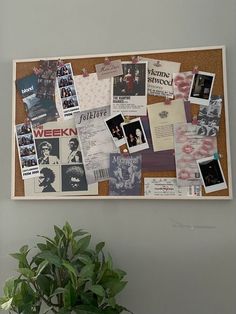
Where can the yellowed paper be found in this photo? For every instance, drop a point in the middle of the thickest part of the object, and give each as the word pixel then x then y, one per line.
pixel 162 117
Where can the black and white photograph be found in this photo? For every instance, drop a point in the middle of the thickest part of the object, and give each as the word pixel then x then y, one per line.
pixel 68 95
pixel 201 88
pixel 73 178
pixel 48 180
pixel 26 151
pixel 209 117
pixel 48 151
pixel 211 174
pixel 129 91
pixel 135 136
pixel 70 150
pixel 113 124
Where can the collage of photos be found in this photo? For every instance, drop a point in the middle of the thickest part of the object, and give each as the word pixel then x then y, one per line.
pixel 60 162
pixel 67 91
pixel 27 151
pixel 122 131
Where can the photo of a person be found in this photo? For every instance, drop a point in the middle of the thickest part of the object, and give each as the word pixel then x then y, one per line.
pixel 73 178
pixel 45 180
pixel 202 131
pixel 113 124
pixel 132 82
pixel 45 151
pixel 75 155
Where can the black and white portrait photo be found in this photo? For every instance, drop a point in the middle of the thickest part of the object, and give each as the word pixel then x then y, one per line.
pixel 73 178
pixel 70 150
pixel 48 180
pixel 201 88
pixel 135 136
pixel 48 151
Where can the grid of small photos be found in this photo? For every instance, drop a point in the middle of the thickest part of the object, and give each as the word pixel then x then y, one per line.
pixel 71 150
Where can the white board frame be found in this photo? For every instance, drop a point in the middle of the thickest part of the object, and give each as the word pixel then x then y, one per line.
pixel 15 155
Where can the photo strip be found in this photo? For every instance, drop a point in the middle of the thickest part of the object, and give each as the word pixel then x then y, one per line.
pixel 208 120
pixel 136 139
pixel 211 174
pixel 27 151
pixel 113 124
pixel 68 95
pixel 129 91
pixel 201 88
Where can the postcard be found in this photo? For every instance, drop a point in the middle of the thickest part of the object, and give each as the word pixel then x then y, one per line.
pixel 125 175
pixel 135 136
pixel 168 187
pixel 60 161
pixel 182 82
pixel 39 110
pixel 27 151
pixel 162 117
pixel 96 143
pixel 209 117
pixel 129 91
pixel 113 124
pixel 189 147
pixel 160 77
pixel 201 88
pixel 93 93
pixel 211 174
pixel 109 69
pixel 67 92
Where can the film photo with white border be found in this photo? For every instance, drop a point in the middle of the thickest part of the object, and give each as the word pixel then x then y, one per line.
pixel 27 151
pixel 113 124
pixel 211 174
pixel 129 91
pixel 201 88
pixel 68 94
pixel 136 139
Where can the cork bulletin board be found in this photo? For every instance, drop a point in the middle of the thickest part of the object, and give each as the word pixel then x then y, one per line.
pixel 208 59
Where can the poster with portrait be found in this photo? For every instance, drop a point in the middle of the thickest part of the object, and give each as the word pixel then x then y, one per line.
pixel 125 175
pixel 60 162
pixel 129 91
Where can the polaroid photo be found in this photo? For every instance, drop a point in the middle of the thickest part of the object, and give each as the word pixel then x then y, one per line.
pixel 211 174
pixel 129 91
pixel 135 136
pixel 201 88
pixel 27 151
pixel 113 124
pixel 68 96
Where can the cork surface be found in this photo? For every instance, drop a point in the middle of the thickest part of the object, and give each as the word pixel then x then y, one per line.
pixel 206 60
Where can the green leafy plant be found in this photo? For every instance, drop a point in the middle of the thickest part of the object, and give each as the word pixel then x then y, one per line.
pixel 64 276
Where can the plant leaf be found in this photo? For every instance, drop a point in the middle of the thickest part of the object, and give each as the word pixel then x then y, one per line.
pixel 69 296
pixel 84 243
pixel 7 305
pixel 87 309
pixel 79 233
pixel 99 247
pixel 41 267
pixel 26 272
pixel 98 290
pixel 51 258
pixel 85 259
pixel 87 271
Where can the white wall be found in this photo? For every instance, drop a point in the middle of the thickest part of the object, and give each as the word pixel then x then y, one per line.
pixel 170 270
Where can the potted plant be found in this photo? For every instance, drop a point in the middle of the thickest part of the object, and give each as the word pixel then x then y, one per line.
pixel 64 276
